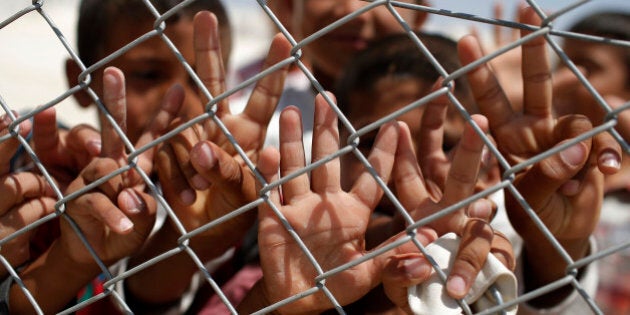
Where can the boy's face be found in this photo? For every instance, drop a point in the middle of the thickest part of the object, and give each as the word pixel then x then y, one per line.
pixel 331 52
pixel 606 70
pixel 387 96
pixel 151 69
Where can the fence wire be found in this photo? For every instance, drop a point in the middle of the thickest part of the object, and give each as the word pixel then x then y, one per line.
pixel 552 36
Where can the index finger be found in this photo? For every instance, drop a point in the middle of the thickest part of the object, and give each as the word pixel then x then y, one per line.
pixel 114 97
pixel 536 67
pixel 10 146
pixel 208 58
pixel 490 97
pixel 266 94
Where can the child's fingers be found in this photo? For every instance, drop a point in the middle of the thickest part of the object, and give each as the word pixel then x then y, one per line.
pixel 16 188
pixel 403 271
pixel 268 165
pixel 292 149
pixel 216 167
pixel 492 101
pixel 175 185
pixel 97 169
pixel 169 109
pixel 208 57
pixel 410 187
pixel 137 206
pixel 536 67
pixel 326 177
pixel 382 159
pixel 181 145
pixel 114 97
pixel 267 91
pixel 98 206
pixel 502 249
pixel 46 131
pixel 476 239
pixel 10 146
pixel 462 176
pixel 432 158
pixel 544 178
pixel 608 153
pixel 84 138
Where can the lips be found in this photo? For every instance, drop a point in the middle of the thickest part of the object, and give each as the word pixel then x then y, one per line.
pixel 345 41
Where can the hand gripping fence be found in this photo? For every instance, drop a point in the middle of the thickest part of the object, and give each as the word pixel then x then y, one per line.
pixel 551 35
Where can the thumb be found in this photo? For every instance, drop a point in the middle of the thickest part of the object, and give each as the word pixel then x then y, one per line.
pixel 403 271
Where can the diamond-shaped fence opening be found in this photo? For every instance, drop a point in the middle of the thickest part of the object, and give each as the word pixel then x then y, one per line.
pixel 72 192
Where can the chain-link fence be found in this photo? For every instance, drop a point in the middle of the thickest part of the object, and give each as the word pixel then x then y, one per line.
pixel 212 279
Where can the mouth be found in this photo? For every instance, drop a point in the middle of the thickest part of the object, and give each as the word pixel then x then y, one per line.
pixel 352 42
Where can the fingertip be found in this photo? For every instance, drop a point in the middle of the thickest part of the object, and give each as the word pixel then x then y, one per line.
pixel 130 202
pixel 268 162
pixel 609 162
pixel 125 225
pixel 203 157
pixel 456 287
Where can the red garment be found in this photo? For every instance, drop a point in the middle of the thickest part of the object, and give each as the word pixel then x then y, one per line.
pixel 235 290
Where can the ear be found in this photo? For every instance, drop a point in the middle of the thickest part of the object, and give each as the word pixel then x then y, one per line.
pixel 72 74
pixel 421 16
pixel 283 9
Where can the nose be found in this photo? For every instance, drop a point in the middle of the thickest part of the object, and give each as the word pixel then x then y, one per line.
pixel 345 7
pixel 192 105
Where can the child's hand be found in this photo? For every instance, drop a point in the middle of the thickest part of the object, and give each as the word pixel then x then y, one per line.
pixel 564 190
pixel 26 198
pixel 330 222
pixel 64 153
pixel 116 216
pixel 202 174
pixel 422 200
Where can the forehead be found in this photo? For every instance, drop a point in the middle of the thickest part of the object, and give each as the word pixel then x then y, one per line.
pixel 386 96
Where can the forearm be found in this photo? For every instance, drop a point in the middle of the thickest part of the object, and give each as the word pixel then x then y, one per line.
pixel 147 286
pixel 542 264
pixel 53 280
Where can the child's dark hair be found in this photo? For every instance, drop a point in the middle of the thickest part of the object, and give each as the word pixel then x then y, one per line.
pixel 96 17
pixel 398 56
pixel 613 25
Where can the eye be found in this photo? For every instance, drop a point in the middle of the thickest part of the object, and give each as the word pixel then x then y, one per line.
pixel 147 75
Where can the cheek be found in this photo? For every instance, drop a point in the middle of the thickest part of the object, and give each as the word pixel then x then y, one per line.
pixel 140 109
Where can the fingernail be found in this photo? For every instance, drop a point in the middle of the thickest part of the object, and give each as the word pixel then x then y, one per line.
pixel 416 268
pixel 199 182
pixel 486 157
pixel 610 159
pixel 573 155
pixel 571 187
pixel 204 156
pixel 481 209
pixel 133 204
pixel 187 196
pixel 94 147
pixel 125 224
pixel 456 286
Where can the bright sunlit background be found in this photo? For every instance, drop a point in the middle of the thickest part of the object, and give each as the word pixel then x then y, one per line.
pixel 32 57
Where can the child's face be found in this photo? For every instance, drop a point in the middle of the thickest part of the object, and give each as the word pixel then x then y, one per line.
pixel 605 69
pixel 387 96
pixel 151 69
pixel 332 51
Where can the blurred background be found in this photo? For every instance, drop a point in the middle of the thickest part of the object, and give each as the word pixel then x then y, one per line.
pixel 32 56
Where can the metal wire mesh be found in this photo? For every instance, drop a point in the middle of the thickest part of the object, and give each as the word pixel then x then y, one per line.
pixel 552 36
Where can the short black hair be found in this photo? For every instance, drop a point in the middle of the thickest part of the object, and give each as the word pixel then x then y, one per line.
pixel 612 25
pixel 398 56
pixel 96 16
